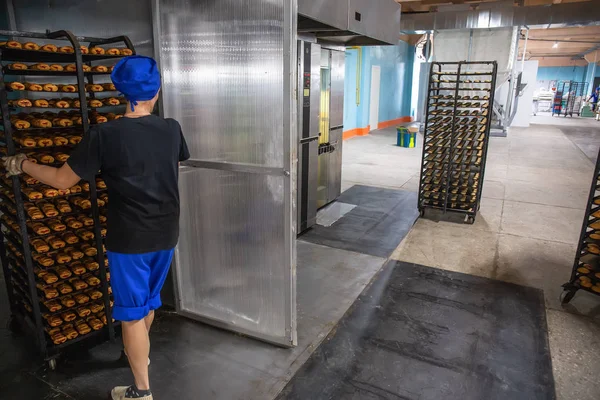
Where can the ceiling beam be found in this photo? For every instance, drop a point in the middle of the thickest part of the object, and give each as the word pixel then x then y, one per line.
pixel 588 51
pixel 560 62
pixel 593 56
pixel 564 41
pixel 438 2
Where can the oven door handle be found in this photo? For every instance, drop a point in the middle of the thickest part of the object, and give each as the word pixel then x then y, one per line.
pixel 310 139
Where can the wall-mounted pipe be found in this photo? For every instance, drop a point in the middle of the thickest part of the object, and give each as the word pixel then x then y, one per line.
pixel 358 71
pixel 524 49
pixel 470 46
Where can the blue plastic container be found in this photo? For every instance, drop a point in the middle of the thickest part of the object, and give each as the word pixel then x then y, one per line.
pixel 405 137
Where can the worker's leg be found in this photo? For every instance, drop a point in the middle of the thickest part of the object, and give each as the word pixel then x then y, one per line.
pixel 130 276
pixel 159 268
pixel 137 346
pixel 149 320
pixel 148 323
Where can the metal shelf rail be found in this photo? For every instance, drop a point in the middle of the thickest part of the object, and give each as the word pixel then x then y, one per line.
pixel 586 267
pixel 21 271
pixel 457 130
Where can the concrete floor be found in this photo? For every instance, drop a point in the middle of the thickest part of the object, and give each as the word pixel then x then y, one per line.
pixel 189 357
pixel 535 190
pixel 536 186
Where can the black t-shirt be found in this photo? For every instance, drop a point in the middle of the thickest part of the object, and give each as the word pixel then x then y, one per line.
pixel 139 161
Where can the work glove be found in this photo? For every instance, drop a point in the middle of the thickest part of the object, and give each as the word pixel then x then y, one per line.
pixel 14 164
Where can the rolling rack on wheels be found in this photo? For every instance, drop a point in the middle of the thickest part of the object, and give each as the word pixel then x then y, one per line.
pixel 558 101
pixel 457 130
pixel 568 98
pixel 586 267
pixel 577 91
pixel 51 241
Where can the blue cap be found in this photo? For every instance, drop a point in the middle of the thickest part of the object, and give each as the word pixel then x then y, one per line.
pixel 137 77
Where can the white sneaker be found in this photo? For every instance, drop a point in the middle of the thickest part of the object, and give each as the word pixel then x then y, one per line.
pixel 118 393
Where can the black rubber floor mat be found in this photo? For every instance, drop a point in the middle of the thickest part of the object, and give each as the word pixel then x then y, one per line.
pixel 378 223
pixel 419 333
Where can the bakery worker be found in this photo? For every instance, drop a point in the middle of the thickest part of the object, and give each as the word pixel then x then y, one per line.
pixel 138 156
pixel 594 98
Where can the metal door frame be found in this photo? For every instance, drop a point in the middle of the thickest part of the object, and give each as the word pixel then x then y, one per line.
pixel 288 171
pixel 305 143
pixel 327 158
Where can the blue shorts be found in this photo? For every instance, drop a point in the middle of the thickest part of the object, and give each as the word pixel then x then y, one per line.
pixel 137 280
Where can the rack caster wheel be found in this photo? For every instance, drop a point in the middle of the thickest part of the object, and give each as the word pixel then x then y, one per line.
pixel 52 364
pixel 567 296
pixel 470 220
pixel 422 213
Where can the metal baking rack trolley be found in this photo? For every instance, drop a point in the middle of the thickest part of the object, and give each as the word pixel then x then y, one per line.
pixel 51 243
pixel 586 267
pixel 456 136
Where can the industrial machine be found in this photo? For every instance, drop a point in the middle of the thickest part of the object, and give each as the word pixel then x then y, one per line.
pixel 324 30
pixel 320 128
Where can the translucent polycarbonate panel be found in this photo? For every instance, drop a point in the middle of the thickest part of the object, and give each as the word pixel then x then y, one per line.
pixel 229 73
pixel 231 266
pixel 223 74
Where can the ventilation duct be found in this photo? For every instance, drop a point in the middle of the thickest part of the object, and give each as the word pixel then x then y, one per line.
pixel 350 22
pixel 506 15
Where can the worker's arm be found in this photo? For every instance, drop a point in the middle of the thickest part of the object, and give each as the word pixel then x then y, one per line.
pixel 85 159
pixel 59 178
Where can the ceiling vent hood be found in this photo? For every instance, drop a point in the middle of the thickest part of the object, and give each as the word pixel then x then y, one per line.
pixel 502 15
pixel 350 22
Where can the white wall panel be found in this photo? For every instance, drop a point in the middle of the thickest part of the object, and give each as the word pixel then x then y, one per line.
pixel 486 45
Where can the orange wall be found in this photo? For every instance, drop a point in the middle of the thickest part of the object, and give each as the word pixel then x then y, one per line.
pixel 357 132
pixel 393 122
